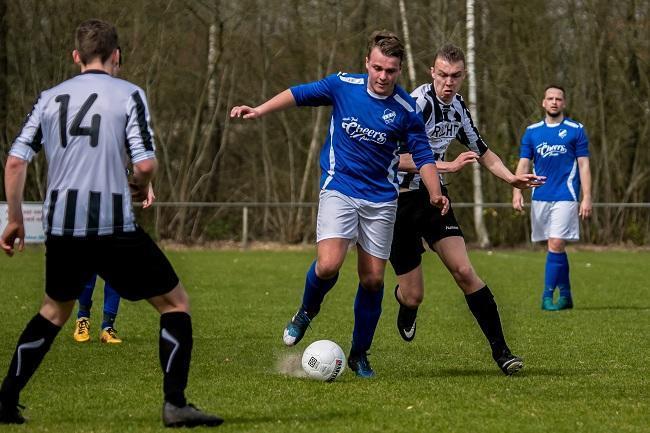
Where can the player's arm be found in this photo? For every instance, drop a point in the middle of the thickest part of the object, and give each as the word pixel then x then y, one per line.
pixel 15 175
pixel 279 102
pixel 493 163
pixel 585 182
pixel 429 175
pixel 140 182
pixel 407 164
pixel 523 166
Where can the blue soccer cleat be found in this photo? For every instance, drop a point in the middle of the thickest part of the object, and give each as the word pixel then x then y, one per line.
pixel 360 365
pixel 296 328
pixel 564 303
pixel 548 305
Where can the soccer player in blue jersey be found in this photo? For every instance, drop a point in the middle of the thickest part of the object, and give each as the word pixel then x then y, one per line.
pixel 108 334
pixel 559 149
pixel 91 127
pixel 446 118
pixel 358 197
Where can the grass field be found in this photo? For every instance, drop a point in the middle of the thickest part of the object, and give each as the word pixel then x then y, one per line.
pixel 586 369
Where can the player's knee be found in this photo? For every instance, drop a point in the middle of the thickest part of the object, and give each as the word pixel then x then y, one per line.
pixel 56 312
pixel 176 300
pixel 464 275
pixel 326 269
pixel 413 298
pixel 556 245
pixel 372 282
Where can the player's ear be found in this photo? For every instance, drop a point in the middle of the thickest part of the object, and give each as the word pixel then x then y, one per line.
pixel 76 57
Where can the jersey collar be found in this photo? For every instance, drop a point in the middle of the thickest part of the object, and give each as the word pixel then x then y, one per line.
pixel 94 71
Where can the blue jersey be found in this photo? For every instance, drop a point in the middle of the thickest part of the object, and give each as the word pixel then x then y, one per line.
pixel 359 158
pixel 554 150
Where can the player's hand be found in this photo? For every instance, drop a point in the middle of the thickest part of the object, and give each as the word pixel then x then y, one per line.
pixel 462 160
pixel 139 192
pixel 518 200
pixel 13 231
pixel 151 197
pixel 441 202
pixel 525 181
pixel 585 208
pixel 245 111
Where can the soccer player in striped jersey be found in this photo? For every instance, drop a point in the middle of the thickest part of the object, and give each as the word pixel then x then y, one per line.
pixel 90 127
pixel 446 118
pixel 358 197
pixel 559 149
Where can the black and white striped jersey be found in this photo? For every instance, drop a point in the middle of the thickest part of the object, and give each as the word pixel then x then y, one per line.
pixel 443 123
pixel 89 126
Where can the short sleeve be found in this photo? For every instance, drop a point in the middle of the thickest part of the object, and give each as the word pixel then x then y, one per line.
pixel 29 140
pixel 139 133
pixel 526 149
pixel 316 93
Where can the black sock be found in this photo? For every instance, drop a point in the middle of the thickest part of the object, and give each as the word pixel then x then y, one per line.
pixel 481 304
pixel 33 344
pixel 175 355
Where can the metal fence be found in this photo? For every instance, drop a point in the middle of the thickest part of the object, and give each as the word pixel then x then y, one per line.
pixel 246 206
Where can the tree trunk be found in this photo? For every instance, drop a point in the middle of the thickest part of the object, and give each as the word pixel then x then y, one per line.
pixel 479 222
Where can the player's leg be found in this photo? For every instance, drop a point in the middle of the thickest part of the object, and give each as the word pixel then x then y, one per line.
pixel 414 213
pixel 409 294
pixel 540 218
pixel 82 326
pixel 336 225
pixel 156 281
pixel 453 253
pixel 376 222
pixel 111 306
pixel 33 344
pixel 367 310
pixel 63 284
pixel 565 226
pixel 321 277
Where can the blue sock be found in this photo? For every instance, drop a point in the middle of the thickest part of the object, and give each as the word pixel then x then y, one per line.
pixel 553 269
pixel 367 310
pixel 563 282
pixel 315 291
pixel 86 299
pixel 111 305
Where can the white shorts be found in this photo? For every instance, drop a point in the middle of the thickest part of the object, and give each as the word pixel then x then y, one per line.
pixel 370 224
pixel 555 219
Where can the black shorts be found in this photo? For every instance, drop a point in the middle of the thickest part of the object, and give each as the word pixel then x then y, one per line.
pixel 130 262
pixel 418 219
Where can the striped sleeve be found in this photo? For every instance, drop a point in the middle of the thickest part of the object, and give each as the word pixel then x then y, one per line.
pixel 139 134
pixel 29 140
pixel 468 134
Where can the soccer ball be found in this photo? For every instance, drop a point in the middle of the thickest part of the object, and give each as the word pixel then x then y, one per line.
pixel 323 360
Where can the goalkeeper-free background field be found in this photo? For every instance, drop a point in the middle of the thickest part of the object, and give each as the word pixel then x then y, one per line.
pixel 586 369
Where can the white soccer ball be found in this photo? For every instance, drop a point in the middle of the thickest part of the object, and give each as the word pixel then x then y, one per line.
pixel 323 360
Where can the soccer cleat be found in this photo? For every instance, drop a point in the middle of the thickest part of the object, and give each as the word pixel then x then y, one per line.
pixel 10 414
pixel 296 328
pixel 564 303
pixel 109 336
pixel 188 416
pixel 548 305
pixel 509 363
pixel 406 320
pixel 82 330
pixel 360 365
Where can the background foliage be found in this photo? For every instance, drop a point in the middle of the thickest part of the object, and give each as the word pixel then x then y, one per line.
pixel 197 58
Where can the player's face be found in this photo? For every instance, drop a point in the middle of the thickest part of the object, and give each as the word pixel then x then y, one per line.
pixel 383 72
pixel 553 102
pixel 447 79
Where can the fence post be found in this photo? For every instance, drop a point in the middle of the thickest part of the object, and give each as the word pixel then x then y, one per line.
pixel 244 229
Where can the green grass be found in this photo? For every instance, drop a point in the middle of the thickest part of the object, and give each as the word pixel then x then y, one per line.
pixel 586 369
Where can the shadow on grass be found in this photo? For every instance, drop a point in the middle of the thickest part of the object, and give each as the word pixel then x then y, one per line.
pixel 474 372
pixel 613 307
pixel 329 415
